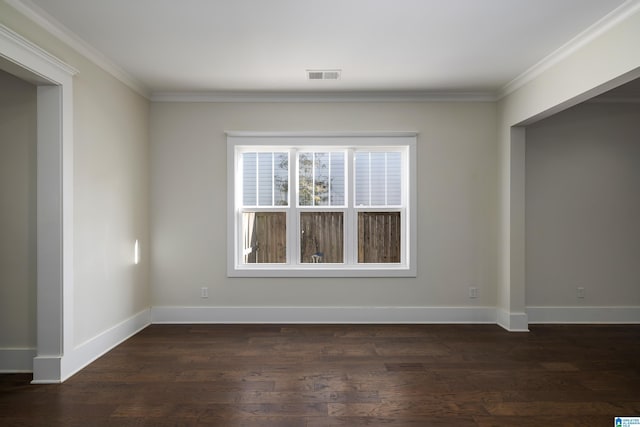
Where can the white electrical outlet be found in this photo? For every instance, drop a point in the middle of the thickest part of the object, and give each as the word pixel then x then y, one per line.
pixel 580 292
pixel 204 293
pixel 473 292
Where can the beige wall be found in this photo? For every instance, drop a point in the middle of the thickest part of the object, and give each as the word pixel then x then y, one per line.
pixel 457 199
pixel 17 213
pixel 583 207
pixel 111 189
pixel 471 188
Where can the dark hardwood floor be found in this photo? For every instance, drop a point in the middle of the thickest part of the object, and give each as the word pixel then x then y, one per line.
pixel 344 375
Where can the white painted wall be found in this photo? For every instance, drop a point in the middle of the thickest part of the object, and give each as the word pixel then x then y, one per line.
pixel 583 207
pixel 457 199
pixel 17 213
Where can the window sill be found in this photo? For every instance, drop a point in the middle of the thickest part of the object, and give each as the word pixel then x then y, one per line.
pixel 314 271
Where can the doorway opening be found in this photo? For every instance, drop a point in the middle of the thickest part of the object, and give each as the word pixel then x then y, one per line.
pixel 54 198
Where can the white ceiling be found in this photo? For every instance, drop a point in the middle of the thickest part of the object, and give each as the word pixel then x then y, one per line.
pixel 380 45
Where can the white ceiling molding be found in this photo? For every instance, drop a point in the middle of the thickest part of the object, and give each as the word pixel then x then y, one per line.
pixel 16 39
pixel 53 26
pixel 604 99
pixel 371 96
pixel 628 8
pixel 50 24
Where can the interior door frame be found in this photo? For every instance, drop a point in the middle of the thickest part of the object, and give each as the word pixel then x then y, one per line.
pixel 54 81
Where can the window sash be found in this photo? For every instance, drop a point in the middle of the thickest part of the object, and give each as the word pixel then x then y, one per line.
pixel 351 211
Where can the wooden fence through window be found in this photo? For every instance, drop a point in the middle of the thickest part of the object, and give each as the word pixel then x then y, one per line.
pixel 379 237
pixel 322 237
pixel 265 237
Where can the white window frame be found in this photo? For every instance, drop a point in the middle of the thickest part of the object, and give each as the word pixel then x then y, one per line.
pixel 405 142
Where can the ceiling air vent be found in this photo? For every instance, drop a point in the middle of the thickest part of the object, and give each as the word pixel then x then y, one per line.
pixel 323 74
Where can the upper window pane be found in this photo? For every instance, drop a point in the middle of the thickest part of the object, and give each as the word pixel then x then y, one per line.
pixel 394 179
pixel 378 178
pixel 265 179
pixel 249 179
pixel 281 179
pixel 378 171
pixel 321 178
pixel 337 179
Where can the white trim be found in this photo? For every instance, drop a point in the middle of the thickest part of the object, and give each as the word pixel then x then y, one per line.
pixel 605 314
pixel 604 99
pixel 89 351
pixel 296 96
pixel 54 27
pixel 325 315
pixel 55 198
pixel 403 141
pixel 47 370
pixel 14 360
pixel 323 270
pixel 22 47
pixel 625 10
pixel 57 29
pixel 321 134
pixel 512 322
pixel 55 239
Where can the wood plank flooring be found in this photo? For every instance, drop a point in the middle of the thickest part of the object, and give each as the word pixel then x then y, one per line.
pixel 344 375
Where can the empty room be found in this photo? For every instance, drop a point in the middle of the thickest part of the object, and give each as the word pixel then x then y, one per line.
pixel 337 213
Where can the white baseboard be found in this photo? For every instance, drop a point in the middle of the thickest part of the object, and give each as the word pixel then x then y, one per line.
pixel 512 322
pixel 620 315
pixel 55 369
pixel 16 360
pixel 46 370
pixel 323 315
pixel 97 346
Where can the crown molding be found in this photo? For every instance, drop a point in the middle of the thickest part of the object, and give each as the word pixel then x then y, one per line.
pixel 8 35
pixel 604 99
pixel 57 29
pixel 351 96
pixel 625 10
pixel 54 27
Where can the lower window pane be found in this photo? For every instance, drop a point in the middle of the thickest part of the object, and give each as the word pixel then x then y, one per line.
pixel 321 237
pixel 379 237
pixel 265 237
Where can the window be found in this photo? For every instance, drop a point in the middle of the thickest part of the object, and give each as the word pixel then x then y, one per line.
pixel 321 205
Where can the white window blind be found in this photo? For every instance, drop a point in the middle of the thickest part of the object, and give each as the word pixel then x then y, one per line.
pixel 378 177
pixel 321 178
pixel 265 179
